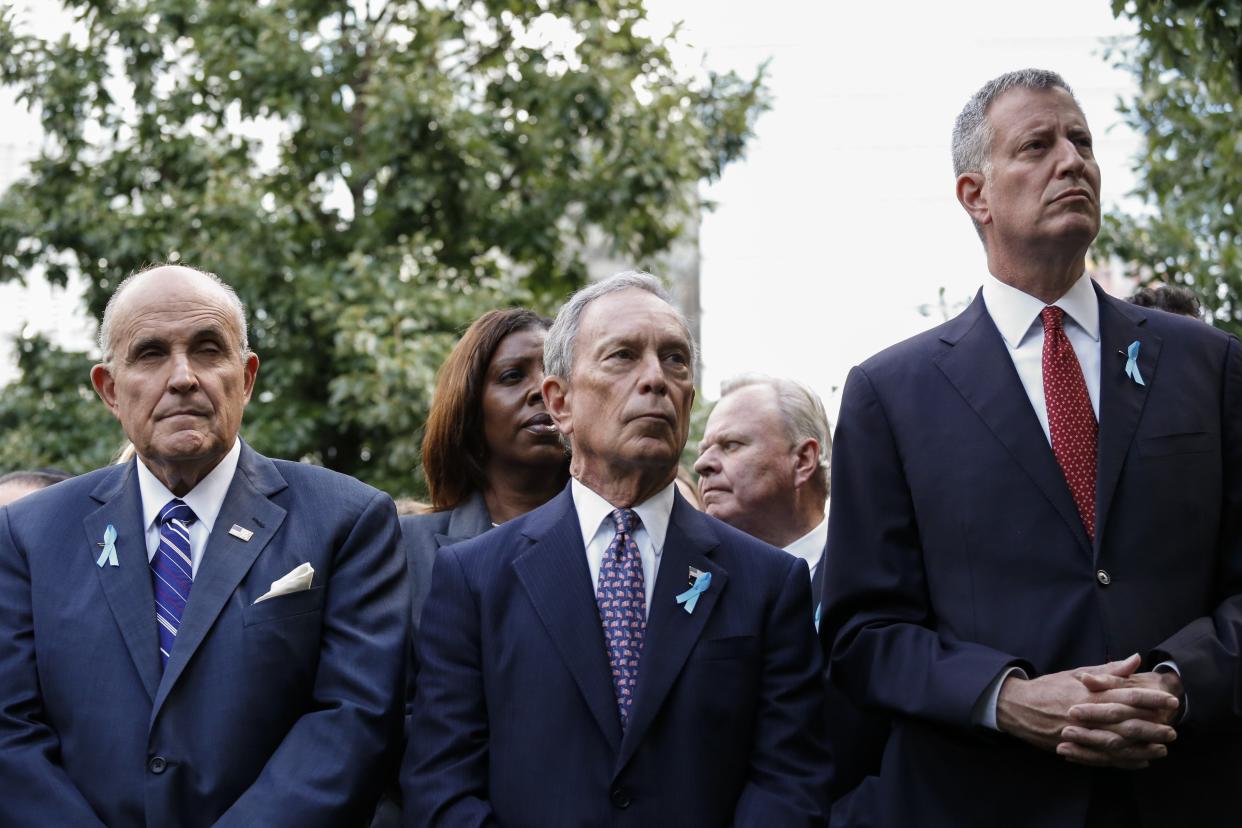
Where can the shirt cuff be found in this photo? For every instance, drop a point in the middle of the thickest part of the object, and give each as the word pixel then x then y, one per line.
pixel 1171 666
pixel 985 709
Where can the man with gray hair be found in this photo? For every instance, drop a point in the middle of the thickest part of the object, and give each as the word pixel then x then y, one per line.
pixel 616 657
pixel 199 635
pixel 763 468
pixel 1036 532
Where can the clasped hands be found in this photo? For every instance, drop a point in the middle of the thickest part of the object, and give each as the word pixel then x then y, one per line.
pixel 1105 716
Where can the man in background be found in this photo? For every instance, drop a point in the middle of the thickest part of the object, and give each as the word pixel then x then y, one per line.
pixel 18 484
pixel 763 468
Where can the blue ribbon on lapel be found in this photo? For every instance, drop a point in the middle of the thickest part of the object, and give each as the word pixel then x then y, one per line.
pixel 1132 369
pixel 691 596
pixel 109 548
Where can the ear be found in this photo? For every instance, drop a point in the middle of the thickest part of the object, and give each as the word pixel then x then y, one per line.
pixel 973 196
pixel 251 370
pixel 806 461
pixel 105 387
pixel 556 399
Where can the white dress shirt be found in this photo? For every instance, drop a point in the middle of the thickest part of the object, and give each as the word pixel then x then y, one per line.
pixel 205 499
pixel 598 530
pixel 1016 315
pixel 810 547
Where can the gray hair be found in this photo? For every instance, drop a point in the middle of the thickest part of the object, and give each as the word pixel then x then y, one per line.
pixel 234 305
pixel 800 408
pixel 972 131
pixel 558 347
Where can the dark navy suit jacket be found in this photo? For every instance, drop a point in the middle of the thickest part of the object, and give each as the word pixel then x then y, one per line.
pixel 277 713
pixel 421 537
pixel 515 721
pixel 956 551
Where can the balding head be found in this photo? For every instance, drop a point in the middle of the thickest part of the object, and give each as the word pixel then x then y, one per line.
pixel 165 277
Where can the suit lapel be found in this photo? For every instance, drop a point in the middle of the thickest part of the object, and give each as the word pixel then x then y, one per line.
pixel 672 632
pixel 980 368
pixel 226 558
pixel 1121 398
pixel 555 575
pixel 126 586
pixel 468 520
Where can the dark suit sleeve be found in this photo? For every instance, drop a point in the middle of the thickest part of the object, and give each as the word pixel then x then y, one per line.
pixel 444 778
pixel 789 764
pixel 886 649
pixel 326 771
pixel 1208 651
pixel 34 788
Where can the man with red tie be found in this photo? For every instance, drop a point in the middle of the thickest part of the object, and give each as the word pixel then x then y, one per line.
pixel 1035 545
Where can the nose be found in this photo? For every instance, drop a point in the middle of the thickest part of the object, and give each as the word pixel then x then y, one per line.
pixel 182 378
pixel 1069 160
pixel 653 380
pixel 707 463
pixel 534 395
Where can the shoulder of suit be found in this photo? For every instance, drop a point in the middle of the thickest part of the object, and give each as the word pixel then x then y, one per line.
pixel 743 549
pixel 304 478
pixel 66 495
pixel 425 525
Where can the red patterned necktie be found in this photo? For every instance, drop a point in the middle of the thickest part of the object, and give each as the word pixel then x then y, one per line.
pixel 1071 422
pixel 623 607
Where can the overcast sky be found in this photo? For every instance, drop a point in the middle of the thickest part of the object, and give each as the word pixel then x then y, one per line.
pixel 841 222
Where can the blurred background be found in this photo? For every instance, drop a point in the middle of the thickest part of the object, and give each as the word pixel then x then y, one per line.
pixel 373 175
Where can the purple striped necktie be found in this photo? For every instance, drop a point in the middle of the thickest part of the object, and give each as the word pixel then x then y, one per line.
pixel 172 573
pixel 623 607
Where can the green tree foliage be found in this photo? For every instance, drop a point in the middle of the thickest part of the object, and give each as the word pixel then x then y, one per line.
pixel 370 177
pixel 1187 59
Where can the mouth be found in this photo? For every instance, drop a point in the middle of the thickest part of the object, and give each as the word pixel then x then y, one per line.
pixel 655 416
pixel 540 424
pixel 186 412
pixel 1074 193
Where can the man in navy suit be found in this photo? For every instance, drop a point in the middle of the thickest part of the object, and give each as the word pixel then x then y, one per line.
pixel 201 636
pixel 1036 532
pixel 615 657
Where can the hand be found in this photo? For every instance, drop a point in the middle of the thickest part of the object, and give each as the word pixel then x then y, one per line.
pixel 1130 717
pixel 1037 711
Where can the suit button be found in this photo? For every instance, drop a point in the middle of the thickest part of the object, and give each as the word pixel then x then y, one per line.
pixel 1103 578
pixel 157 764
pixel 621 797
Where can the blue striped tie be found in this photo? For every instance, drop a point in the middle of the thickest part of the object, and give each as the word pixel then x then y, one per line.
pixel 172 572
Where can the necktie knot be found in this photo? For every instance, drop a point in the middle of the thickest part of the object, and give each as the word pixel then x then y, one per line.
pixel 176 509
pixel 1053 318
pixel 624 520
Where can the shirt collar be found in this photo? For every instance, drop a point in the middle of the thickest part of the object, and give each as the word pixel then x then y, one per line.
pixel 654 513
pixel 810 547
pixel 205 499
pixel 1014 311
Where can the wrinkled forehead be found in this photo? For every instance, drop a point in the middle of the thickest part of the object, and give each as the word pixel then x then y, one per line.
pixel 631 314
pixel 1023 107
pixel 747 410
pixel 173 303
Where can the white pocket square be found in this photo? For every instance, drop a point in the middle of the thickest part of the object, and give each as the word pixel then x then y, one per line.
pixel 296 581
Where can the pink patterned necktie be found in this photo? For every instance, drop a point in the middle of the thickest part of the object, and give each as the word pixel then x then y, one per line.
pixel 1071 422
pixel 622 607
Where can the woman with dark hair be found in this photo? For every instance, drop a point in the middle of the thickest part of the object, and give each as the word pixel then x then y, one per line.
pixel 490 450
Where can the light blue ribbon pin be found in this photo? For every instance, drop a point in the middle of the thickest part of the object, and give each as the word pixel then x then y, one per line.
pixel 1132 370
pixel 109 548
pixel 691 596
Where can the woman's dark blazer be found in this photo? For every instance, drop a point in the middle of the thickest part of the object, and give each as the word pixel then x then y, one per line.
pixel 422 535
